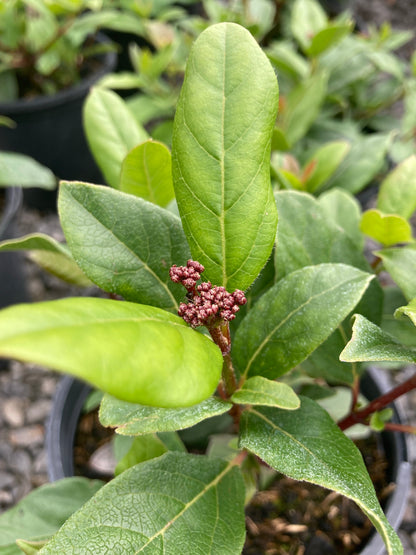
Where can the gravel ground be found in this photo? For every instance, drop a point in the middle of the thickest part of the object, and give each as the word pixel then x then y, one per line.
pixel 26 390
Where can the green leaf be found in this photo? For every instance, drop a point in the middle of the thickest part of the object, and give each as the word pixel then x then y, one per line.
pixel 30 548
pixel 344 209
pixel 111 131
pixel 41 513
pixel 325 161
pixel 143 448
pixel 378 419
pixel 134 352
pixel 23 171
pixel 371 343
pixel 295 316
pixel 397 193
pixel 175 500
pixel 387 229
pixel 287 60
pixel 300 108
pixel 326 38
pixel 409 310
pixel 401 328
pixel 261 391
pixel 221 155
pixel 307 19
pixel 401 265
pixel 362 163
pixel 308 445
pixel 147 172
pixel 134 419
pixel 49 254
pixel 306 235
pixel 116 255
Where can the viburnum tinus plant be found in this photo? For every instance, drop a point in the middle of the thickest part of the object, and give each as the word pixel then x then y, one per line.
pixel 221 305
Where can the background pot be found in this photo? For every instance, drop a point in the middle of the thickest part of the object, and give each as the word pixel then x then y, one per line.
pixel 49 129
pixel 71 395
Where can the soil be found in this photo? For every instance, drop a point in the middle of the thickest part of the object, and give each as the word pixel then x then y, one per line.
pixel 290 517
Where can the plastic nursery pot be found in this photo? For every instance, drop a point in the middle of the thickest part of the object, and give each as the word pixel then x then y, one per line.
pixel 49 129
pixel 71 395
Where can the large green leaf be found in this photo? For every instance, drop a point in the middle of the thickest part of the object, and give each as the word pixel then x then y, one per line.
pixel 307 19
pixel 344 209
pixel 370 343
pixel 261 391
pixel 41 513
pixel 111 131
pixel 137 353
pixel 129 255
pixel 295 316
pixel 398 190
pixel 147 172
pixel 401 265
pixel 177 503
pixel 387 229
pixel 49 254
pixel 221 155
pixel 134 419
pixel 23 171
pixel 306 235
pixel 308 445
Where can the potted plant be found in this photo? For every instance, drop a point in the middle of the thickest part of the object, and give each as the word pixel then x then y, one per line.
pixel 212 323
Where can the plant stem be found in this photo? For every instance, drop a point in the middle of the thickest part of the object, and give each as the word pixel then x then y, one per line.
pixel 362 416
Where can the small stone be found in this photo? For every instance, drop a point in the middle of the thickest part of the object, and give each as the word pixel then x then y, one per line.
pixel 40 464
pixel 103 460
pixel 6 498
pixel 6 480
pixel 25 437
pixel 14 412
pixel 38 411
pixel 22 462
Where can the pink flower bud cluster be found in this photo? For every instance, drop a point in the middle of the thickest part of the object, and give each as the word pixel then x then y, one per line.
pixel 209 304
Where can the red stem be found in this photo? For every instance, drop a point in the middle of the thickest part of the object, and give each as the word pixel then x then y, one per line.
pixel 361 416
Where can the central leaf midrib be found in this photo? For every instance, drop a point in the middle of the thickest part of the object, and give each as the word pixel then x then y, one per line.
pixel 222 165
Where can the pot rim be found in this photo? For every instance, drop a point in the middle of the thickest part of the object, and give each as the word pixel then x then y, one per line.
pixel 38 103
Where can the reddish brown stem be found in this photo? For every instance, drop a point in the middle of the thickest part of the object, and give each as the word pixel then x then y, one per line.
pixel 394 427
pixel 361 416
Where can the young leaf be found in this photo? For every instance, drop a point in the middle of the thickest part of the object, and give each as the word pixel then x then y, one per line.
pixel 261 391
pixel 370 343
pixel 326 38
pixel 308 445
pixel 134 352
pixel 23 171
pixel 221 156
pixel 41 513
pixel 326 158
pixel 401 265
pixel 111 131
pixel 409 310
pixel 307 236
pixel 147 172
pixel 387 229
pixel 191 501
pixel 49 254
pixel 134 419
pixel 117 256
pixel 397 193
pixel 295 316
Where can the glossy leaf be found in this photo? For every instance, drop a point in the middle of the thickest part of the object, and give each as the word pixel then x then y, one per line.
pixel 307 236
pixel 344 209
pixel 295 316
pixel 326 159
pixel 147 172
pixel 401 265
pixel 43 511
pixel 371 343
pixel 134 419
pixel 19 170
pixel 191 501
pixel 49 254
pixel 111 131
pixel 134 352
pixel 409 310
pixel 397 193
pixel 221 155
pixel 308 445
pixel 261 391
pixel 387 229
pixel 114 252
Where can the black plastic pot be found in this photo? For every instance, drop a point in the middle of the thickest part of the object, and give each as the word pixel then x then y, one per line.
pixel 49 128
pixel 71 394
